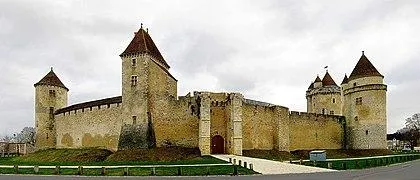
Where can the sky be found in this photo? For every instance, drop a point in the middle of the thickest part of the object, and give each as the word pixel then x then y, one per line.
pixel 268 50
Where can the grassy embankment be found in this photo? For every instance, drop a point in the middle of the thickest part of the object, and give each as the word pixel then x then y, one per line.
pixel 339 159
pixel 100 157
pixel 304 154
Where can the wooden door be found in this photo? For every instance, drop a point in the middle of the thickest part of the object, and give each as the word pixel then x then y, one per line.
pixel 217 145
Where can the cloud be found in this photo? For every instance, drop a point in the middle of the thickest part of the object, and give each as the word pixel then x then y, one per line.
pixel 268 50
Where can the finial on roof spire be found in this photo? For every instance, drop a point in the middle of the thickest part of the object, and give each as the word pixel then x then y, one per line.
pixel 51 68
pixel 141 25
pixel 363 52
pixel 147 30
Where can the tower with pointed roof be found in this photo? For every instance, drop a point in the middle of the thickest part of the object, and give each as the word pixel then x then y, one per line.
pixel 50 95
pixel 364 106
pixel 324 96
pixel 146 87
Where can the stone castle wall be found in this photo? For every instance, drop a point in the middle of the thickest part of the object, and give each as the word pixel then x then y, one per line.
pixel 259 127
pixel 174 122
pixel 89 127
pixel 315 131
pixel 265 126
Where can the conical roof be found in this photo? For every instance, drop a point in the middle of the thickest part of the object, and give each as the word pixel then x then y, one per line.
pixel 311 86
pixel 345 79
pixel 328 80
pixel 364 68
pixel 51 79
pixel 143 43
pixel 317 79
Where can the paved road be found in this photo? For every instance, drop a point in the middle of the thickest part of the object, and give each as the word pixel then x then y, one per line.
pixel 265 166
pixel 404 171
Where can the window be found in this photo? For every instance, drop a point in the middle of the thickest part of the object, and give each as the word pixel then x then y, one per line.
pixel 52 93
pixel 356 118
pixel 133 80
pixel 134 62
pixel 134 119
pixel 323 110
pixel 332 112
pixel 367 132
pixel 333 100
pixel 354 84
pixel 51 113
pixel 359 101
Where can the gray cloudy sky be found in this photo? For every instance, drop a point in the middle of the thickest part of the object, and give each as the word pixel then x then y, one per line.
pixel 267 50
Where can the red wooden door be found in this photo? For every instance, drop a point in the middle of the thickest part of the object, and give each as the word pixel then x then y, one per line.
pixel 217 145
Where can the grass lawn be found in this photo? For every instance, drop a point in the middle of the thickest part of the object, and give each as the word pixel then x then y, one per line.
pixel 304 154
pixel 100 157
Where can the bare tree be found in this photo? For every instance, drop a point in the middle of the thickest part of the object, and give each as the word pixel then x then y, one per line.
pixel 27 135
pixel 411 131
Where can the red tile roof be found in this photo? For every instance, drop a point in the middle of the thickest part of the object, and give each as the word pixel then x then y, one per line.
pixel 328 80
pixel 364 68
pixel 51 79
pixel 143 43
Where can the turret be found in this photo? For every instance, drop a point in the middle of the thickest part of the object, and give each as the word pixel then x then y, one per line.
pixel 344 84
pixel 136 61
pixel 324 97
pixel 317 82
pixel 146 85
pixel 365 106
pixel 50 95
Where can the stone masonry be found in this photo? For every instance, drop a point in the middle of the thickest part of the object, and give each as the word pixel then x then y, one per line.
pixel 150 113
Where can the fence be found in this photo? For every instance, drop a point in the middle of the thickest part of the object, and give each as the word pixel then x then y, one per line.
pixel 361 163
pixel 153 170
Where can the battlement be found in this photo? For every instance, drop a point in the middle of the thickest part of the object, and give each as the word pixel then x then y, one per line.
pixel 313 116
pixel 365 88
pixel 90 106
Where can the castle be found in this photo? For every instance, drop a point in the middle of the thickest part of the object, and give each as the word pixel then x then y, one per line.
pixel 151 114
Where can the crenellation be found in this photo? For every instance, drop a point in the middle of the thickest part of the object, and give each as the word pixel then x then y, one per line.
pixel 149 113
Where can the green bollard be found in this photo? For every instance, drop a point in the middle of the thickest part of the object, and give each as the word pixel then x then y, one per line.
pixel 208 171
pixel 179 171
pixel 103 171
pixel 57 170
pixel 235 170
pixel 80 170
pixel 36 169
pixel 16 169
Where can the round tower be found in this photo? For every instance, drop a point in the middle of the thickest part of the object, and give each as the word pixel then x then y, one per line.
pixel 365 107
pixel 50 95
pixel 324 96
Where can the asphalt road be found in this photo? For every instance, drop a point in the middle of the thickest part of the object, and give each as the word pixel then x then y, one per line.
pixel 406 171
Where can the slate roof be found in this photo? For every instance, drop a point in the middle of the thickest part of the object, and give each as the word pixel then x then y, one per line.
pixel 51 79
pixel 364 68
pixel 317 79
pixel 345 79
pixel 112 100
pixel 311 86
pixel 143 43
pixel 328 80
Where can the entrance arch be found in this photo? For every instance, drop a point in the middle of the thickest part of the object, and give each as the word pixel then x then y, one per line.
pixel 217 145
